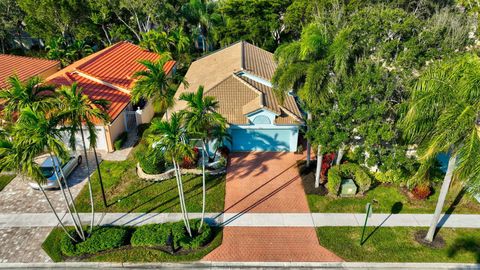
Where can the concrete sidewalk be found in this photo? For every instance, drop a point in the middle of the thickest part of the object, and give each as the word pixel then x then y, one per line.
pixel 247 219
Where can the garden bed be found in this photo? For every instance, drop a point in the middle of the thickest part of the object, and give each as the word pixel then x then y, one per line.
pixel 166 242
pixel 171 173
pixel 387 244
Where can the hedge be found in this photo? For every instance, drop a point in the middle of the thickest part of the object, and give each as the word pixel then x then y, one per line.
pixel 151 161
pixel 157 235
pixel 120 140
pixel 360 176
pixel 101 239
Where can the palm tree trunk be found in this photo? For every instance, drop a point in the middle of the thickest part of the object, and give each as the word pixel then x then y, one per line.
pixel 78 228
pixel 88 180
pixel 181 198
pixel 447 180
pixel 309 117
pixel 203 187
pixel 55 213
pixel 340 154
pixel 100 178
pixel 319 166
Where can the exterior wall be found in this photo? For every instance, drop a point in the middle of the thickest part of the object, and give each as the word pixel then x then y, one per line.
pixel 101 139
pixel 115 129
pixel 146 114
pixel 273 138
pixel 49 71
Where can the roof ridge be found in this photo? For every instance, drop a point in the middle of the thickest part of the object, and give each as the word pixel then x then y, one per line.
pixel 97 80
pixel 290 113
pixel 218 50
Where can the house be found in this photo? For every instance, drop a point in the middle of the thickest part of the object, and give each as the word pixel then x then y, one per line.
pixel 25 68
pixel 239 77
pixel 107 75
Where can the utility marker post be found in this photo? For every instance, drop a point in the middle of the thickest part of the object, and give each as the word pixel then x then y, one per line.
pixel 369 210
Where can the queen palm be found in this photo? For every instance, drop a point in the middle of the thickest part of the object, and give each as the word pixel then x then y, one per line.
pixel 78 110
pixel 19 95
pixel 200 119
pixel 171 138
pixel 38 133
pixel 154 83
pixel 444 116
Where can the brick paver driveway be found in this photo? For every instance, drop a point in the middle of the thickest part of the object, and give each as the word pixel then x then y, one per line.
pixel 267 182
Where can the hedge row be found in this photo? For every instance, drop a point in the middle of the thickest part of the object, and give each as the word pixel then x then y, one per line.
pixel 153 235
pixel 348 170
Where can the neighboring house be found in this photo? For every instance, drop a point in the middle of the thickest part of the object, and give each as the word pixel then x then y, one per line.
pixel 25 68
pixel 239 78
pixel 107 75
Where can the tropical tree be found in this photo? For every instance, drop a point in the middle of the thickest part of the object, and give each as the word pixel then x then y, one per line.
pixel 171 138
pixel 20 95
pixel 155 84
pixel 77 111
pixel 200 120
pixel 37 133
pixel 444 116
pixel 203 18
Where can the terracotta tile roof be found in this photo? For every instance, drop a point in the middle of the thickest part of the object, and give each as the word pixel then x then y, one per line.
pixel 222 70
pixel 117 100
pixel 107 74
pixel 24 67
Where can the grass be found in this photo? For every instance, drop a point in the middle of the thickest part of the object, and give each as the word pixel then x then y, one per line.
pixel 5 179
pixel 130 254
pixel 126 192
pixel 398 245
pixel 386 196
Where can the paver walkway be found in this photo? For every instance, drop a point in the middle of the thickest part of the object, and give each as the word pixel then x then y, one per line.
pixel 265 182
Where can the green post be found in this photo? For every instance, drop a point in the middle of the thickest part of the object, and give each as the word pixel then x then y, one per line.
pixel 368 208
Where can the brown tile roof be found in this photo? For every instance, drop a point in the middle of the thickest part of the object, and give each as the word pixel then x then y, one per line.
pixel 107 74
pixel 222 70
pixel 23 67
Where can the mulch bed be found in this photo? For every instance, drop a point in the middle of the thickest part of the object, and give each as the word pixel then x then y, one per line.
pixel 308 179
pixel 438 241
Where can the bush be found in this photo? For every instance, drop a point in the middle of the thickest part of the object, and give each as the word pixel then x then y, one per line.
pixel 359 175
pixel 421 191
pixel 120 140
pixel 151 161
pixel 157 235
pixel 102 238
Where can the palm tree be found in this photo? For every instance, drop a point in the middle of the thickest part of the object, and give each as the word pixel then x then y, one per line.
pixel 154 83
pixel 76 111
pixel 200 119
pixel 443 116
pixel 170 138
pixel 201 13
pixel 37 133
pixel 22 94
pixel 77 50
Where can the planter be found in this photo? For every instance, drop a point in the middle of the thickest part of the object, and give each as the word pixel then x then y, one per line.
pixel 171 173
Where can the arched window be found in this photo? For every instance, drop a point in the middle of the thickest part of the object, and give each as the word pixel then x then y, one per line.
pixel 261 120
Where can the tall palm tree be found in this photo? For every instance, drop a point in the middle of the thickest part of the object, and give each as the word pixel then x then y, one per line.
pixel 19 95
pixel 200 119
pixel 76 111
pixel 171 138
pixel 444 116
pixel 155 84
pixel 201 13
pixel 38 133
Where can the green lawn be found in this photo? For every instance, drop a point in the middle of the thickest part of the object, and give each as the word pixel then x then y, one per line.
pixel 5 179
pixel 398 245
pixel 387 196
pixel 125 192
pixel 128 253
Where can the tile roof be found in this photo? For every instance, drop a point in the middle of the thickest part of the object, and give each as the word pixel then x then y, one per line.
pixel 107 74
pixel 221 71
pixel 23 67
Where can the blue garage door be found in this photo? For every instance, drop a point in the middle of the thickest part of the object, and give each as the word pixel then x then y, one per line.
pixel 260 139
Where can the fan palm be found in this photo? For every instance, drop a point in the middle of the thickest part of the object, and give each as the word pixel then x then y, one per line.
pixel 200 119
pixel 154 83
pixel 443 116
pixel 171 138
pixel 76 111
pixel 20 94
pixel 37 133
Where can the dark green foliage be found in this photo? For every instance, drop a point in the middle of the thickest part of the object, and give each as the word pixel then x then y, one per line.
pixel 334 180
pixel 348 170
pixel 102 238
pixel 158 235
pixel 120 140
pixel 151 160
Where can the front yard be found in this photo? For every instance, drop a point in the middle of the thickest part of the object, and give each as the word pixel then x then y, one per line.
pixel 126 192
pixel 398 245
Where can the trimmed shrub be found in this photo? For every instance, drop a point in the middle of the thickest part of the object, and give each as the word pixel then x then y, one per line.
pixel 334 180
pixel 198 239
pixel 151 235
pixel 120 140
pixel 421 191
pixel 101 239
pixel 347 170
pixel 151 161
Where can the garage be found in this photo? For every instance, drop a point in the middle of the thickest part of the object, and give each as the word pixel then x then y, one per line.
pixel 276 140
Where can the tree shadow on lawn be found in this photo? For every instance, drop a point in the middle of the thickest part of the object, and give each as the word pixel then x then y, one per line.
pixel 465 243
pixel 396 208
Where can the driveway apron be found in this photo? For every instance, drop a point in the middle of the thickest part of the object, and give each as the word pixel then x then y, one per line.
pixel 267 182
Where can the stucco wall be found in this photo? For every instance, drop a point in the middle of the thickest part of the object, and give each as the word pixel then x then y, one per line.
pixel 146 114
pixel 115 129
pixel 49 71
